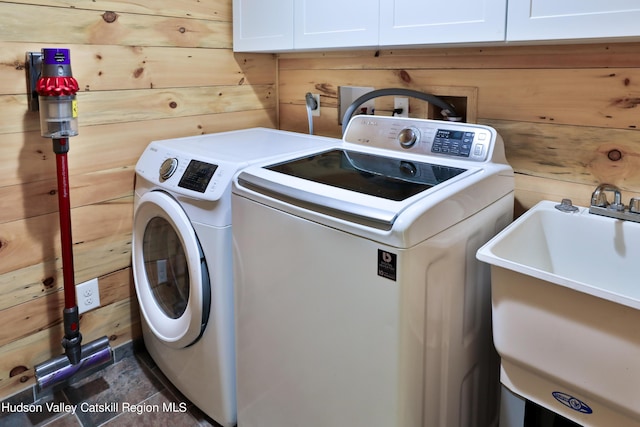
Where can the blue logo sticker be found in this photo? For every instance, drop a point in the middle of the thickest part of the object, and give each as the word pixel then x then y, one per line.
pixel 571 402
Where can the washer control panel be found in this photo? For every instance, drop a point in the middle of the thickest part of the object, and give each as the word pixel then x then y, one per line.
pixel 453 142
pixel 462 141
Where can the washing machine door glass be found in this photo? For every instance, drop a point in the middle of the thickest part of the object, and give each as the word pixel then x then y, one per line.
pixel 170 271
pixel 166 267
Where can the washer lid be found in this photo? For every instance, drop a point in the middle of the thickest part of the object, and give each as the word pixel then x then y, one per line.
pixel 386 177
pixel 356 187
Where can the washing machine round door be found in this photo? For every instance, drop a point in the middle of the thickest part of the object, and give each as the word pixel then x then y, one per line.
pixel 170 271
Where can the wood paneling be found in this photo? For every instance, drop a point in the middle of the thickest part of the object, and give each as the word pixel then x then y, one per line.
pixel 149 71
pixel 26 242
pixel 568 114
pixel 29 158
pixel 209 10
pixel 580 154
pixel 105 67
pixel 80 26
pixel 532 95
pixel 142 105
pixel 622 55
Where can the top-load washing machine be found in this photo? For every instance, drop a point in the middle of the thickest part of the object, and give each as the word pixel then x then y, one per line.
pixel 182 256
pixel 359 300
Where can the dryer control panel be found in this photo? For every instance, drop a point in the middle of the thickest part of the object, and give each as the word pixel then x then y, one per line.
pixel 462 141
pixel 197 176
pixel 183 174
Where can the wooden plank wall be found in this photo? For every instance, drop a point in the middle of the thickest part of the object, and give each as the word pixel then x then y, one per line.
pixel 569 114
pixel 159 70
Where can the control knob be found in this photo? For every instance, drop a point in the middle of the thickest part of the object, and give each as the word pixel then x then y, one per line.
pixel 408 136
pixel 168 167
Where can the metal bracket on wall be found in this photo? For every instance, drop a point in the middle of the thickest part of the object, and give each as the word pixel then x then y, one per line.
pixel 33 68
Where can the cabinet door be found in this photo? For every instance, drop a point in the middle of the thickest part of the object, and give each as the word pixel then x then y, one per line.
pixel 335 23
pixel 572 19
pixel 260 25
pixel 404 22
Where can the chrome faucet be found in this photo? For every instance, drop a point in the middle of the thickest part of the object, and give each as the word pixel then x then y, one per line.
pixel 601 206
pixel 599 197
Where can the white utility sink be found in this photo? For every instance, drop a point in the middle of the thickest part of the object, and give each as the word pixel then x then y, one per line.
pixel 566 313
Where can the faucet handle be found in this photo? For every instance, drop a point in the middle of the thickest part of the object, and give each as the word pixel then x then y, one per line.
pixel 634 205
pixel 566 205
pixel 617 201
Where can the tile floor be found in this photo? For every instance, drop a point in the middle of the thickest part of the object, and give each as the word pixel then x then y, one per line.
pixel 132 383
pixel 136 381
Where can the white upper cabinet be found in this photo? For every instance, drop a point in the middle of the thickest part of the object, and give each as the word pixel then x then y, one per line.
pixel 281 25
pixel 260 25
pixel 405 22
pixel 335 23
pixel 285 25
pixel 532 20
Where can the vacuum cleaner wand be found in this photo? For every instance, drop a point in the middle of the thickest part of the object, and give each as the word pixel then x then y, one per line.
pixel 72 337
pixel 58 120
pixel 57 90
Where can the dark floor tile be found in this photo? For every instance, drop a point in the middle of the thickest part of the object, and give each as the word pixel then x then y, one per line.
pixel 65 421
pixel 37 413
pixel 159 410
pixel 102 396
pixel 10 414
pixel 14 419
pixel 143 356
pixel 128 349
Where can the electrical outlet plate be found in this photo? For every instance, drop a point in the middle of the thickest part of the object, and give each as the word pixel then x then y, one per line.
pixel 348 94
pixel 87 295
pixel 403 104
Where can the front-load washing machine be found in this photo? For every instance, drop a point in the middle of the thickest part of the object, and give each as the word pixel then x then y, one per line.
pixel 182 256
pixel 359 300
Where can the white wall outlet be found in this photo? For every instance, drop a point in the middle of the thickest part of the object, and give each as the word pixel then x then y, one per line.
pixel 348 94
pixel 401 104
pixel 316 112
pixel 87 295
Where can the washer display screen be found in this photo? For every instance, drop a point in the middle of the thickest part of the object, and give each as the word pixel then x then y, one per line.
pixel 453 142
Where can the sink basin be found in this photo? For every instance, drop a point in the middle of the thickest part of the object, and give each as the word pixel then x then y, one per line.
pixel 566 313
